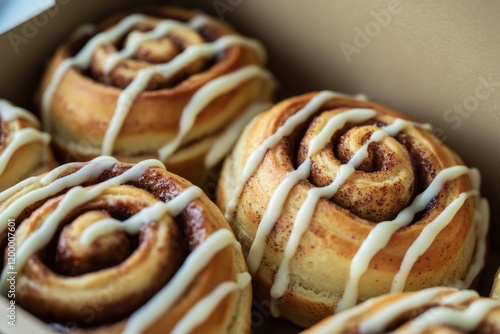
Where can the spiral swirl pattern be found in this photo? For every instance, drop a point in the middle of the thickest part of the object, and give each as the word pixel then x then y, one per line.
pixel 161 82
pixel 109 67
pixel 433 310
pixel 337 200
pixel 101 244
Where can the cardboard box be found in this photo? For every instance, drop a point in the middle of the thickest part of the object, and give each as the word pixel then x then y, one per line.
pixel 435 61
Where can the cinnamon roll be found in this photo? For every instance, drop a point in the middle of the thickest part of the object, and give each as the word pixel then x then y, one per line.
pixel 433 310
pixel 160 82
pixel 111 247
pixel 336 200
pixel 24 149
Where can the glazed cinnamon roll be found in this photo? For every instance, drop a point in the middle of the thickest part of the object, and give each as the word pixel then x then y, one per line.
pixel 161 82
pixel 337 200
pixel 24 148
pixel 433 310
pixel 111 247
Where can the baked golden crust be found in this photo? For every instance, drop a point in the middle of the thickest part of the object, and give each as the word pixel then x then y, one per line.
pixel 434 310
pixel 396 169
pixel 85 102
pixel 99 286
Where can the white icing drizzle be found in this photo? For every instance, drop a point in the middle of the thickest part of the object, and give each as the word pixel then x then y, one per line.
pixel 9 112
pixel 277 201
pixel 225 141
pixel 123 105
pixel 19 139
pixel 72 199
pixel 306 211
pixel 272 213
pixel 51 88
pixel 133 224
pixel 134 42
pixel 459 297
pixel 380 235
pixel 378 322
pixel 201 20
pixel 170 293
pixel 481 221
pixel 51 186
pixel 286 129
pixel 162 29
pixel 466 320
pixel 48 178
pixel 82 60
pixel 426 238
pixel 207 94
pixel 78 195
pixel 14 189
pixel 205 307
pixel 200 100
pixel 473 315
pixel 335 323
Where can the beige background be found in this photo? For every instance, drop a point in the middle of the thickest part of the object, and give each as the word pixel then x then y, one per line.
pixel 436 61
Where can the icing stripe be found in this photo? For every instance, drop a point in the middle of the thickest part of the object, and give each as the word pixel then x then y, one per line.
pixel 206 95
pixel 223 144
pixel 286 129
pixel 82 60
pixel 204 308
pixel 277 201
pixel 306 211
pixel 335 323
pixel 9 112
pixel 481 222
pixel 466 320
pixel 134 42
pixel 188 56
pixel 426 238
pixel 380 320
pixel 72 199
pixel 127 97
pixel 133 224
pixel 459 297
pixel 380 235
pixel 170 293
pixel 19 139
pixel 14 189
pixel 89 171
pixel 78 195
